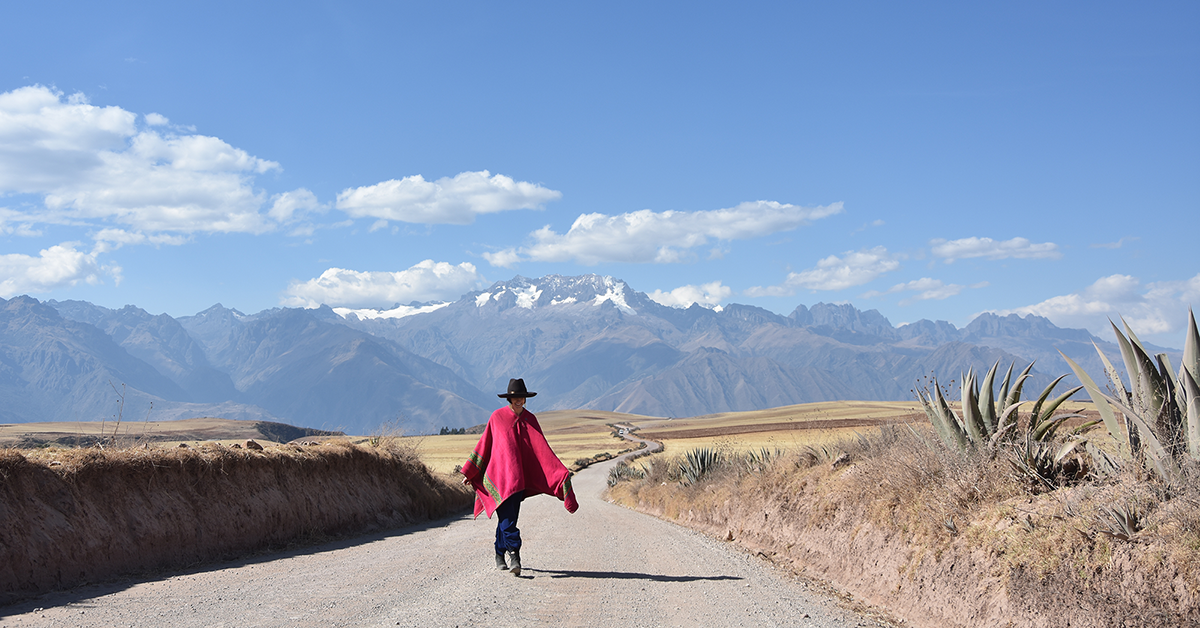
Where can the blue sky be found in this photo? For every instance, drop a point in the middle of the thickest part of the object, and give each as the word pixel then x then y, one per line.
pixel 929 160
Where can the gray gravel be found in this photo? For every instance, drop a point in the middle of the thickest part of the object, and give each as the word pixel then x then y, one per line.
pixel 604 564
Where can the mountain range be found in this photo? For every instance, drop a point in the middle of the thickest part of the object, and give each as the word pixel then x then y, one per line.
pixel 580 342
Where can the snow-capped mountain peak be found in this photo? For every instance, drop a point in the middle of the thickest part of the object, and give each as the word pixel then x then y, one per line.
pixel 555 290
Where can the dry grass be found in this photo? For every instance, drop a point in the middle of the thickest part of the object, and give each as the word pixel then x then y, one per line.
pixel 80 514
pixel 932 519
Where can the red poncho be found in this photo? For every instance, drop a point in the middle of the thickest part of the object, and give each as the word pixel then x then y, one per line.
pixel 513 455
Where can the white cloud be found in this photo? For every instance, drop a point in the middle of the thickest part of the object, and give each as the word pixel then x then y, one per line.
pixel 684 296
pixel 927 289
pixel 14 222
pixel 853 268
pixel 1153 309
pixel 295 205
pixel 1019 248
pixel 46 142
pixel 426 281
pixel 113 239
pixel 59 266
pixel 503 259
pixel 661 237
pixel 453 201
pixel 93 164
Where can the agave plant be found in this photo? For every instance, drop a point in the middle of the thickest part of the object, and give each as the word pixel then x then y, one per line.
pixel 756 461
pixel 1160 410
pixel 1051 465
pixel 697 463
pixel 988 419
pixel 623 471
pixel 1120 522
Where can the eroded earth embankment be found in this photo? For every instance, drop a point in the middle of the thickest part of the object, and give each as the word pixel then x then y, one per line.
pixel 1022 561
pixel 73 516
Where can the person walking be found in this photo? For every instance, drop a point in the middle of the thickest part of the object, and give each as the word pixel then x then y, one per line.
pixel 512 462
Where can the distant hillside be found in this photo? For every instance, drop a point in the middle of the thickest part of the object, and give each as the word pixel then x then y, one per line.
pixel 585 342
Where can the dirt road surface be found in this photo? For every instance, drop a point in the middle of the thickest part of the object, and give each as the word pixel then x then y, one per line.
pixel 604 565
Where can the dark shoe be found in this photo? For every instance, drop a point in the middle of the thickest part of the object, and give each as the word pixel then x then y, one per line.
pixel 500 564
pixel 514 562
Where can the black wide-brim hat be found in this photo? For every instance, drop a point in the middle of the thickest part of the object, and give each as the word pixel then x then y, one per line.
pixel 516 388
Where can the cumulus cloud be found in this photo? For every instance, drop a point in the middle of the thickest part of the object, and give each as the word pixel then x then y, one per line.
pixel 660 237
pixel 712 293
pixel 853 268
pixel 504 259
pixel 926 289
pixel 294 205
pixel 1150 309
pixel 451 201
pixel 426 281
pixel 59 266
pixel 93 164
pixel 1019 248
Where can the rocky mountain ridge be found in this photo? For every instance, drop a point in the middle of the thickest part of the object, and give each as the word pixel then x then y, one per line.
pixel 581 342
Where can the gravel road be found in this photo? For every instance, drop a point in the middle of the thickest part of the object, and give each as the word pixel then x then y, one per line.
pixel 603 565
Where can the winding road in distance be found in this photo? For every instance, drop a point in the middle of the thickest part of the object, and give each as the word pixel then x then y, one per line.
pixel 604 565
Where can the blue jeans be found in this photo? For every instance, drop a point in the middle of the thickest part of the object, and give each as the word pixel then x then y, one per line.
pixel 508 537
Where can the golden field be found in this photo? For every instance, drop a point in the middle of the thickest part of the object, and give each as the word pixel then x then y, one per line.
pixel 574 434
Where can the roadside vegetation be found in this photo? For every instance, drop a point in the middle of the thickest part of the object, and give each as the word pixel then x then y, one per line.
pixel 1004 509
pixel 70 516
pixel 136 497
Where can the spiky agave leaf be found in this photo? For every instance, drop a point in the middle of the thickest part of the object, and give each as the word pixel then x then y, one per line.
pixel 1171 421
pixel 972 418
pixel 1145 382
pixel 1111 373
pixel 1191 401
pixel 1014 395
pixel 987 402
pixel 1069 447
pixel 1128 357
pixel 1153 387
pixel 1120 522
pixel 1191 349
pixel 1045 424
pixel 1036 414
pixel 1006 424
pixel 1106 412
pixel 947 424
pixel 1159 456
pixel 1004 386
pixel 1102 464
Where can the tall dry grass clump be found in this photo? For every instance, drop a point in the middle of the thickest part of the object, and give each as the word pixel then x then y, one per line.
pixel 69 516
